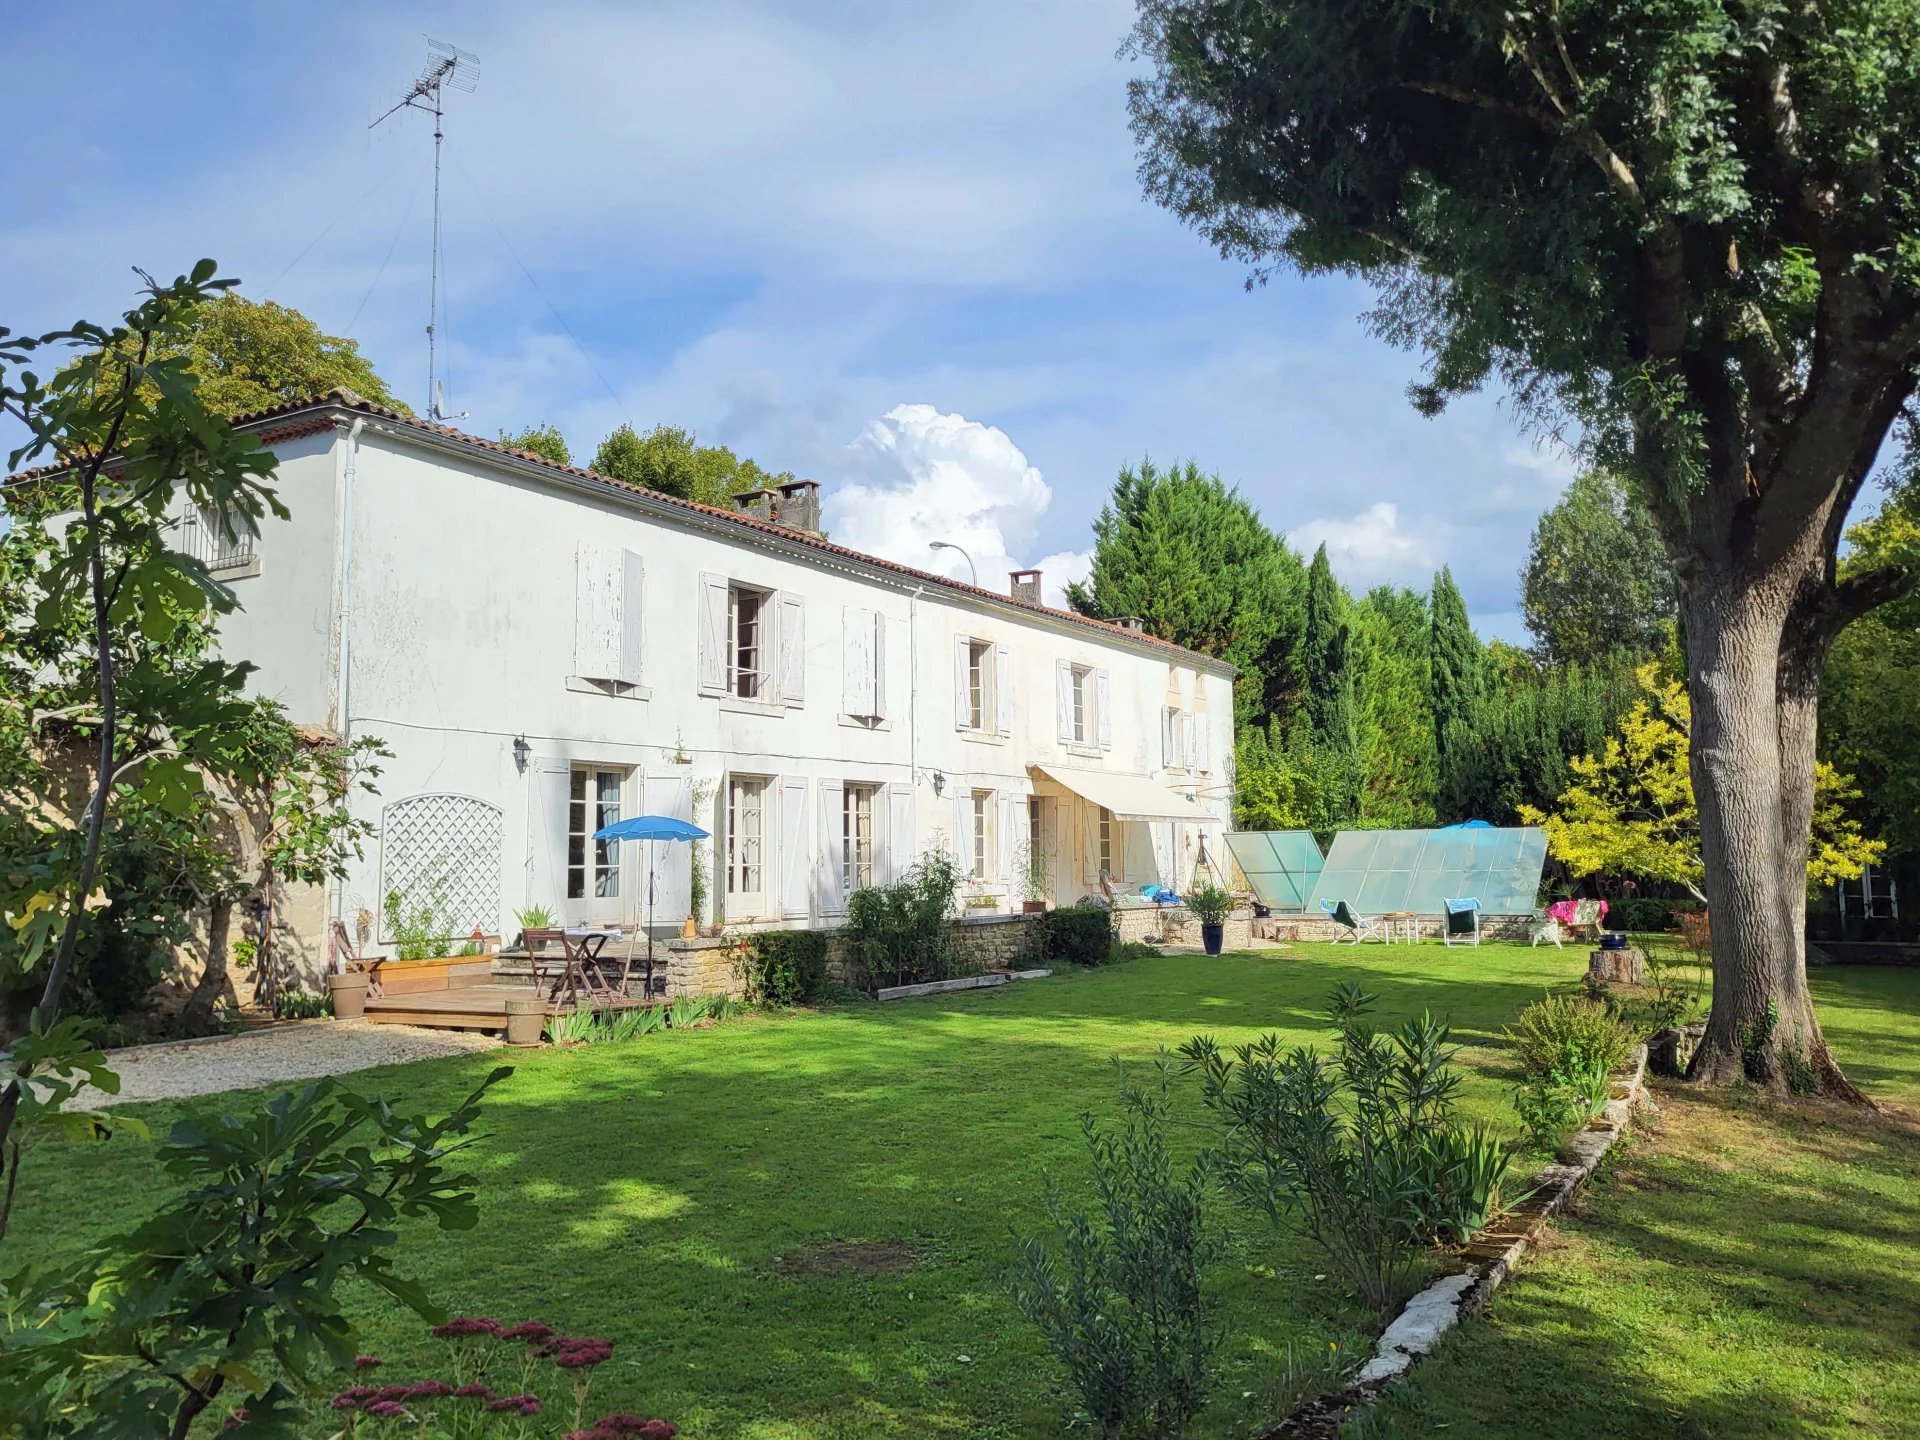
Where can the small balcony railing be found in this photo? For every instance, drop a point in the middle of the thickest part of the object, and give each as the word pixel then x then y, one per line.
pixel 199 537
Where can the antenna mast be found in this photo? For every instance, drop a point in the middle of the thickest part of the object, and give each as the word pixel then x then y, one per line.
pixel 447 67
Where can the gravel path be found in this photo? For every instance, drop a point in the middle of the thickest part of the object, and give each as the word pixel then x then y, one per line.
pixel 270 1057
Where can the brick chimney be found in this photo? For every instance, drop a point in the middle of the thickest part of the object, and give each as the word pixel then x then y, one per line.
pixel 1026 586
pixel 795 506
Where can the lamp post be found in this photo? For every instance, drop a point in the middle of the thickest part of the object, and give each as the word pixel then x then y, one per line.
pixel 973 575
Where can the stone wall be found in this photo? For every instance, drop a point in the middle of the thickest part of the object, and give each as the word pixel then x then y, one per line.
pixel 988 942
pixel 1173 925
pixel 703 967
pixel 1305 928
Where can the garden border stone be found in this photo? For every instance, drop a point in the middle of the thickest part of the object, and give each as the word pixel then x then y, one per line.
pixel 1493 1254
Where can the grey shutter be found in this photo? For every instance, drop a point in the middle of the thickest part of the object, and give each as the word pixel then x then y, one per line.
pixel 856 661
pixel 796 856
pixel 712 621
pixel 963 827
pixel 793 649
pixel 1063 686
pixel 596 613
pixel 827 889
pixel 671 861
pixel 899 835
pixel 962 706
pixel 633 576
pixel 1103 707
pixel 547 800
pixel 879 665
pixel 1003 688
pixel 1010 832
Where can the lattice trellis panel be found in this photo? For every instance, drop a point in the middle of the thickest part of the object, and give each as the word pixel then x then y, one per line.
pixel 445 844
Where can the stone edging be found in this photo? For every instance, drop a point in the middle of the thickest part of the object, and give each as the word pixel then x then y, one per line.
pixel 964 982
pixel 1493 1254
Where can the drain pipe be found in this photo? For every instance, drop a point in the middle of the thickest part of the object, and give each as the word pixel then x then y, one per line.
pixel 343 608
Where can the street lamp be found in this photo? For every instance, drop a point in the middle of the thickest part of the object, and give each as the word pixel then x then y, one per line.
pixel 972 573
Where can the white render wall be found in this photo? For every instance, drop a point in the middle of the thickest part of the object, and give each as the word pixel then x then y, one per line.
pixel 462 639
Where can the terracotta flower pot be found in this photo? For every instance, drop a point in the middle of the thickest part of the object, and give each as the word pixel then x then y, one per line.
pixel 349 992
pixel 690 929
pixel 526 1019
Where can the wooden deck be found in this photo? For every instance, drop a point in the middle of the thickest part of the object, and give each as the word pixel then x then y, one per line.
pixel 468 1007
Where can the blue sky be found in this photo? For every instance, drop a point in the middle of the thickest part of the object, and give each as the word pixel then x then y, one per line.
pixel 897 248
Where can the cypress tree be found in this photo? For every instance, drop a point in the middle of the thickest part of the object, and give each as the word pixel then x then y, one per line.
pixel 1459 667
pixel 1330 716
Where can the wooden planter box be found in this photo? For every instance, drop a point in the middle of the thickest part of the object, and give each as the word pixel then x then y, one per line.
pixel 442 972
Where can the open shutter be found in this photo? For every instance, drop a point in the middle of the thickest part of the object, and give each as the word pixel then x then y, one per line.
pixel 1103 707
pixel 963 828
pixel 828 895
pixel 671 867
pixel 796 856
pixel 1188 745
pixel 962 702
pixel 1090 842
pixel 879 665
pixel 1168 740
pixel 712 621
pixel 1011 814
pixel 793 649
pixel 1063 691
pixel 1202 751
pixel 1003 687
pixel 547 833
pixel 633 576
pixel 596 613
pixel 856 662
pixel 898 835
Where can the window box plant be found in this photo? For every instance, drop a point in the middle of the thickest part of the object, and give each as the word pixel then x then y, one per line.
pixel 1211 906
pixel 982 905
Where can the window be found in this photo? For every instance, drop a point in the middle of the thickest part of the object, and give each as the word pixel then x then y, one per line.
pixel 982 687
pixel 593 866
pixel 856 837
pixel 1082 704
pixel 1106 842
pixel 746 831
pixel 979 682
pixel 982 807
pixel 746 633
pixel 201 537
pixel 1034 846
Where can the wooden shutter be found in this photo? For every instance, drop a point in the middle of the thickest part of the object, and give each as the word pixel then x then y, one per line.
pixel 963 827
pixel 829 895
pixel 1103 707
pixel 712 621
pixel 1090 842
pixel 900 838
pixel 856 661
pixel 796 856
pixel 596 613
pixel 962 707
pixel 1202 750
pixel 1063 687
pixel 1012 827
pixel 633 577
pixel 671 867
pixel 1003 688
pixel 1187 742
pixel 547 833
pixel 879 665
pixel 1168 749
pixel 793 649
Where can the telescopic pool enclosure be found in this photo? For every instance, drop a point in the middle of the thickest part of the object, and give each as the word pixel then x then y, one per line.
pixel 1411 872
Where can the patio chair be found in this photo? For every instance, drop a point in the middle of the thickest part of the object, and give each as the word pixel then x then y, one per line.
pixel 1463 921
pixel 1543 927
pixel 574 972
pixel 343 959
pixel 1359 927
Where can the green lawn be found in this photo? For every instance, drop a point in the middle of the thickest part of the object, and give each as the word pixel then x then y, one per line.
pixel 682 1194
pixel 1744 1269
pixel 650 1192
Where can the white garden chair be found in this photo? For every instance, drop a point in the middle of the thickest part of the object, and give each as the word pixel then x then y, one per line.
pixel 1359 927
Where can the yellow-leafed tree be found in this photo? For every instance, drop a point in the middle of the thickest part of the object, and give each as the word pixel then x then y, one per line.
pixel 1630 809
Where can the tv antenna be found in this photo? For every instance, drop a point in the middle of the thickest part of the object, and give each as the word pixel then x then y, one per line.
pixel 448 67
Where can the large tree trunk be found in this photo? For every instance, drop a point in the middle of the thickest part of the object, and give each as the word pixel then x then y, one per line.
pixel 212 984
pixel 1755 689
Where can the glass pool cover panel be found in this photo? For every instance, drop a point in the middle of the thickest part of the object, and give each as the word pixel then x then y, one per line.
pixel 1281 866
pixel 1416 870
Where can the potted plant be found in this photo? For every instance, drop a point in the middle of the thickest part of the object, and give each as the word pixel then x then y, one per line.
pixel 982 905
pixel 1036 880
pixel 348 990
pixel 1211 906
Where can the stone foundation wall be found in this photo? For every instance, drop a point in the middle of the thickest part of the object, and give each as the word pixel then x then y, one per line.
pixel 1173 925
pixel 993 942
pixel 703 967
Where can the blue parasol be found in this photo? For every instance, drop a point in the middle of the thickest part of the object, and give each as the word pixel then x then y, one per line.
pixel 650 828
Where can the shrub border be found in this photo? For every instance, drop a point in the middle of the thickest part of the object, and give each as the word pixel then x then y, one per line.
pixel 1493 1253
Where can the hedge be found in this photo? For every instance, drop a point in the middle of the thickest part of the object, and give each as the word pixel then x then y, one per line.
pixel 1078 934
pixel 785 967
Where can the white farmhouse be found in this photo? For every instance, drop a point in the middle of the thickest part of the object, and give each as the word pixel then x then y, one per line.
pixel 545 650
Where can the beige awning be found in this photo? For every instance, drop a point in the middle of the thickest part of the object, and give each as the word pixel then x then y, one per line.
pixel 1129 797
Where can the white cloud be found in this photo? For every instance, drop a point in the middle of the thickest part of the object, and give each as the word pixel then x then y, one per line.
pixel 923 475
pixel 1369 548
pixel 1060 568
